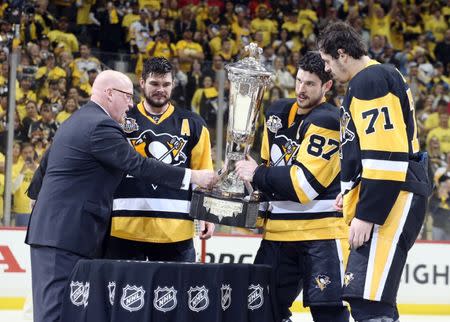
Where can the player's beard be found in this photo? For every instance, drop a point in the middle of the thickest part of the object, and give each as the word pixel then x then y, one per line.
pixel 310 102
pixel 156 104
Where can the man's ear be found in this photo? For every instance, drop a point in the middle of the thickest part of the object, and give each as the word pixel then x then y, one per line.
pixel 341 52
pixel 328 85
pixel 141 83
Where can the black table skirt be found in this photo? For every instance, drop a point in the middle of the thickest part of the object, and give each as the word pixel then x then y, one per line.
pixel 125 291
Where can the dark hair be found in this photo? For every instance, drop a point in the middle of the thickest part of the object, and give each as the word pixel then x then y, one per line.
pixel 313 63
pixel 157 66
pixel 340 35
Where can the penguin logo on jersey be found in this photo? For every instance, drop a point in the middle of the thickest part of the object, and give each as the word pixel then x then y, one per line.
pixel 283 151
pixel 348 277
pixel 274 124
pixel 130 125
pixel 322 281
pixel 345 134
pixel 163 147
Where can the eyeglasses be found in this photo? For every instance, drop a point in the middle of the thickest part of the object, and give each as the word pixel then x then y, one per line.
pixel 128 95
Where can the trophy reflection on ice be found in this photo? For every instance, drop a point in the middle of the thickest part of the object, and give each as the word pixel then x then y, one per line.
pixel 231 201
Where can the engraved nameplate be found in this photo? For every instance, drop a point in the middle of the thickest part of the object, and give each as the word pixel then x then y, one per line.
pixel 222 208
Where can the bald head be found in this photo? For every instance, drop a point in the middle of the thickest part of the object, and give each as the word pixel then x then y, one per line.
pixel 113 91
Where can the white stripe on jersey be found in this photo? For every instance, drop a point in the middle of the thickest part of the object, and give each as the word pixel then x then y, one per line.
pixel 304 184
pixel 151 204
pixel 346 186
pixel 374 164
pixel 291 207
pixel 370 262
pixel 341 262
pixel 394 247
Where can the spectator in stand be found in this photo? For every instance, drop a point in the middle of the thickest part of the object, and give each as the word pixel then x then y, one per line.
pixel 432 120
pixel 440 209
pixel 44 130
pixel 442 49
pixel 85 62
pixel 216 42
pixel 282 78
pixel 438 160
pixel 205 101
pixel 70 106
pixel 47 72
pixel 23 172
pixel 262 23
pixel 442 133
pixel 188 50
pixel 31 116
pixel 63 36
pixel 185 22
pixel 377 45
pixel 23 94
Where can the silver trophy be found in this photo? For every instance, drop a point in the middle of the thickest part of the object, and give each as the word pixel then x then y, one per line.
pixel 232 201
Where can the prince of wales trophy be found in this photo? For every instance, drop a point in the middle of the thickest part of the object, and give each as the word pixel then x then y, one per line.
pixel 232 201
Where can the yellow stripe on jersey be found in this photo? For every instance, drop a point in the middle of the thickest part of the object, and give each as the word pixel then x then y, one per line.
pixel 305 192
pixel 344 250
pixel 292 114
pixel 384 116
pixel 185 129
pixel 383 246
pixel 297 230
pixel 350 200
pixel 152 230
pixel 201 154
pixel 319 154
pixel 265 150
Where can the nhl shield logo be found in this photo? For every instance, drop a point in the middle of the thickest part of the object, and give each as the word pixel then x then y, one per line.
pixel 198 298
pixel 112 292
pixel 256 297
pixel 225 291
pixel 165 299
pixel 79 293
pixel 132 298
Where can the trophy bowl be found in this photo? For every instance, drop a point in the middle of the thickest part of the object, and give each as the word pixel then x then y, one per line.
pixel 232 201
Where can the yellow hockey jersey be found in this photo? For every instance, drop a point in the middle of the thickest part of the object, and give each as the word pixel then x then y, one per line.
pixel 301 176
pixel 378 138
pixel 150 213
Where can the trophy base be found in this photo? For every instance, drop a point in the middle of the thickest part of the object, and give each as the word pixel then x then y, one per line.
pixel 235 212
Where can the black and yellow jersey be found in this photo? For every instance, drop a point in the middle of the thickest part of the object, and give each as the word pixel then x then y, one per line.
pixel 301 176
pixel 378 138
pixel 149 213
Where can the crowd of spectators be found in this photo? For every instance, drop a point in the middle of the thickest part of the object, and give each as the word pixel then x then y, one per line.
pixel 65 43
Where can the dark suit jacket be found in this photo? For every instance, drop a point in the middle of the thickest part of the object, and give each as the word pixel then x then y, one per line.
pixel 87 160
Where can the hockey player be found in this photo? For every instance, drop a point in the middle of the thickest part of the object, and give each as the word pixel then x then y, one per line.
pixel 304 236
pixel 151 222
pixel 383 178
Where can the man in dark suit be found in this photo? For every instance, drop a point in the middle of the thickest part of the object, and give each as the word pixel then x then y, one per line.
pixel 86 162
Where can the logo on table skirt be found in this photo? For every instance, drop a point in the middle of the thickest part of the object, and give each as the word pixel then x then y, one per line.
pixel 198 298
pixel 322 281
pixel 165 299
pixel 255 297
pixel 79 293
pixel 132 298
pixel 225 291
pixel 112 292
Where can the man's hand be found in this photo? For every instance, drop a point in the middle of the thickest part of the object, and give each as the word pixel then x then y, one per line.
pixel 359 232
pixel 206 229
pixel 203 178
pixel 245 169
pixel 338 202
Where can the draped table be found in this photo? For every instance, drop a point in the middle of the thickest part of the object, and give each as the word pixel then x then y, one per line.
pixel 123 291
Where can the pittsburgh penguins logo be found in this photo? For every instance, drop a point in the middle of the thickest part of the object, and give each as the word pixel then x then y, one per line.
pixel 322 281
pixel 283 151
pixel 163 147
pixel 345 134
